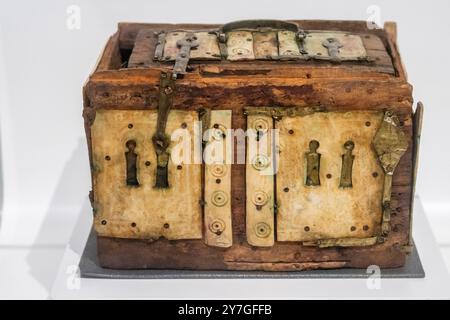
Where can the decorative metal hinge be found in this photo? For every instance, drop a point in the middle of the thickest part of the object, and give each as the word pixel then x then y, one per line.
pixel 390 143
pixel 333 45
pixel 222 37
pixel 301 36
pixel 160 139
pixel 160 45
pixel 182 59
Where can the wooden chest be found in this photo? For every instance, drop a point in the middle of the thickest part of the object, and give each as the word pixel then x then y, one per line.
pixel 254 145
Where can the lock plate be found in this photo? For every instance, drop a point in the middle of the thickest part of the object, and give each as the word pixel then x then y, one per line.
pixel 326 210
pixel 142 211
pixel 208 47
pixel 350 46
pixel 263 44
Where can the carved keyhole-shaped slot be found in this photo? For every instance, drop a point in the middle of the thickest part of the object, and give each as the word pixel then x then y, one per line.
pixel 131 161
pixel 259 134
pixel 333 45
pixel 313 164
pixel 347 165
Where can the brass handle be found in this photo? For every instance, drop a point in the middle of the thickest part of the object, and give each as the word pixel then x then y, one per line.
pixel 250 25
pixel 257 24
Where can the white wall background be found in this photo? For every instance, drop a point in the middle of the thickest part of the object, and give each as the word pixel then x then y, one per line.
pixel 44 170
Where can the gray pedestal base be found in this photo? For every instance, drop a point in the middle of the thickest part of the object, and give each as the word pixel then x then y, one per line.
pixel 89 268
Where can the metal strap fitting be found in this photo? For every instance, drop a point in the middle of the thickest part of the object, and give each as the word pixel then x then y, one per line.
pixel 160 139
pixel 185 45
pixel 390 143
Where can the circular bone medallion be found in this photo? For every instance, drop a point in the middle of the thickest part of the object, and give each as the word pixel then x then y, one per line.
pixel 241 51
pixel 260 162
pixel 260 198
pixel 219 133
pixel 262 230
pixel 218 170
pixel 219 198
pixel 260 124
pixel 217 226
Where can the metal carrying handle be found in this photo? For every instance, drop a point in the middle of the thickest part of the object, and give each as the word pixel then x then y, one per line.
pixel 256 24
